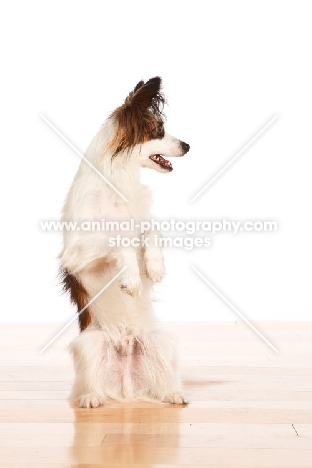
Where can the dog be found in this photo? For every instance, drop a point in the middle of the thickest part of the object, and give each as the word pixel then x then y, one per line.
pixel 121 352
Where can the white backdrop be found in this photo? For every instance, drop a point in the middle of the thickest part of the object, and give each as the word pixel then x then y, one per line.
pixel 227 68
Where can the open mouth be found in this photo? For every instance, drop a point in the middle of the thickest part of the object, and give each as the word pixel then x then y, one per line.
pixel 162 162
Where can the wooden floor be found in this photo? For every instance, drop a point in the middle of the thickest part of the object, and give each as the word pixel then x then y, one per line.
pixel 250 407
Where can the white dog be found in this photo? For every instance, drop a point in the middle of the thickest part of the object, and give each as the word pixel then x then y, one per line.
pixel 121 353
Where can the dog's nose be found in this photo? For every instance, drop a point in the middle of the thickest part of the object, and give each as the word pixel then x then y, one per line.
pixel 185 146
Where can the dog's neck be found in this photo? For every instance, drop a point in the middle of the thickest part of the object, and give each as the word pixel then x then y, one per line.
pixel 122 170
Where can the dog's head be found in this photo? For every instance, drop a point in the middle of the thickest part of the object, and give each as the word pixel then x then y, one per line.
pixel 139 128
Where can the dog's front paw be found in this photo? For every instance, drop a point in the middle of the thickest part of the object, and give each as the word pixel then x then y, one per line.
pixel 155 268
pixel 176 398
pixel 132 285
pixel 91 400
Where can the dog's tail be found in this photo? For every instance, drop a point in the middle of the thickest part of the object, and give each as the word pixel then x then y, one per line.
pixel 78 296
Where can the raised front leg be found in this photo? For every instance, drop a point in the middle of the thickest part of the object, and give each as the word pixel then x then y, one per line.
pixel 130 279
pixel 153 256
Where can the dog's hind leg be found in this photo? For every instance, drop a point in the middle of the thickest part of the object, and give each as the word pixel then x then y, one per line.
pixel 158 375
pixel 94 360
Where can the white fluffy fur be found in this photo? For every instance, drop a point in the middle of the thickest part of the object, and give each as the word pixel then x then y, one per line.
pixel 123 354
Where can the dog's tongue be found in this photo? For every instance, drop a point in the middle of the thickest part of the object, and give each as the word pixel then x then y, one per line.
pixel 162 160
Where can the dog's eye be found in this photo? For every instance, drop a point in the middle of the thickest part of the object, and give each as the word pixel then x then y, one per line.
pixel 160 131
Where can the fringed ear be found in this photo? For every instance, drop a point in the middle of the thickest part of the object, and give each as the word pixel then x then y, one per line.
pixel 138 86
pixel 131 94
pixel 136 120
pixel 148 96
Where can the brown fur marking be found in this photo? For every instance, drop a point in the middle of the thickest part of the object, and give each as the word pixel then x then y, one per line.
pixel 140 118
pixel 78 296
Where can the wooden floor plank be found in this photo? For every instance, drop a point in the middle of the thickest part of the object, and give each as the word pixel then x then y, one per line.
pixel 278 399
pixel 159 440
pixel 89 428
pixel 110 455
pixel 62 411
pixel 124 465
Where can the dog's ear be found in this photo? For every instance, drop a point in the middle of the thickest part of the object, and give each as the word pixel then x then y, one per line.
pixel 129 98
pixel 136 120
pixel 147 96
pixel 138 86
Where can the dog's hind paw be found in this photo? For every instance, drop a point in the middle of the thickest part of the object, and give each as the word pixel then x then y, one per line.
pixel 91 400
pixel 176 398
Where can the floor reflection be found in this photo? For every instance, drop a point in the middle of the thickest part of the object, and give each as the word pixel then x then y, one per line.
pixel 126 433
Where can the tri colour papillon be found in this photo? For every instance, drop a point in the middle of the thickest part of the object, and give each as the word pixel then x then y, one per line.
pixel 121 352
